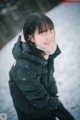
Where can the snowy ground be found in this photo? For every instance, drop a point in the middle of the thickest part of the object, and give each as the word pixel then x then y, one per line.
pixel 67 66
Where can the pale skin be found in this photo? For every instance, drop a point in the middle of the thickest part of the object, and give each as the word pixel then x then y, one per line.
pixel 45 40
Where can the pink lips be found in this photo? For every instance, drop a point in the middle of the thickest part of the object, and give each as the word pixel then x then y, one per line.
pixel 47 43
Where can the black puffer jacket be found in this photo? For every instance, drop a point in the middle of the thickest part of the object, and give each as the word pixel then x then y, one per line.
pixel 32 85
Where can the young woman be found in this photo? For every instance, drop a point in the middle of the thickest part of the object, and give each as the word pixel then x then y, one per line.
pixel 32 84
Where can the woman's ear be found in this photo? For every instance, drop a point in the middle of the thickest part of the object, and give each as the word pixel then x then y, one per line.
pixel 31 38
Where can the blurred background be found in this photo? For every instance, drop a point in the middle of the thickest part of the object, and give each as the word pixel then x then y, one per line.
pixel 66 17
pixel 14 12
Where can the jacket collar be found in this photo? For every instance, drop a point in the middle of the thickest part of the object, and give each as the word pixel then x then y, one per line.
pixel 22 51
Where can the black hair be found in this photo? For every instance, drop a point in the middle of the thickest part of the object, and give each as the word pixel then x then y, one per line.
pixel 36 21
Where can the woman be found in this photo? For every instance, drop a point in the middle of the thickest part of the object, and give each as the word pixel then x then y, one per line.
pixel 32 84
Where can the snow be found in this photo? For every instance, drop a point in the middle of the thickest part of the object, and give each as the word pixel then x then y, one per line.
pixel 67 66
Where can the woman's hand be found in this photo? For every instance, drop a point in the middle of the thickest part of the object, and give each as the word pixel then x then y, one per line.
pixel 62 113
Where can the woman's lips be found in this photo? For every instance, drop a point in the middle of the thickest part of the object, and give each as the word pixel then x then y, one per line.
pixel 47 44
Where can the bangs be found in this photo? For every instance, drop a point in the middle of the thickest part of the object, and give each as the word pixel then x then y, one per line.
pixel 44 24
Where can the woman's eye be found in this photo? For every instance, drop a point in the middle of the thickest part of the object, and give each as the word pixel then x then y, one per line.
pixel 43 33
pixel 51 31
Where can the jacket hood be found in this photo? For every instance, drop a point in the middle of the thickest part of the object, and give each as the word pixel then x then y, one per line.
pixel 21 50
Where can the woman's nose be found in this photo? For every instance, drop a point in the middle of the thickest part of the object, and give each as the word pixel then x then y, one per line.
pixel 49 36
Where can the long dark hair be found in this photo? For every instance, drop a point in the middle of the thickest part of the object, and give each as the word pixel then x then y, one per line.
pixel 36 21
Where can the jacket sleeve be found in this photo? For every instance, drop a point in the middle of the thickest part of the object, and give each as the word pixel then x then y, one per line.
pixel 34 91
pixel 52 84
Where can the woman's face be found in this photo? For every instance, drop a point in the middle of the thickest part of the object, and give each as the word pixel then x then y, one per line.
pixel 44 39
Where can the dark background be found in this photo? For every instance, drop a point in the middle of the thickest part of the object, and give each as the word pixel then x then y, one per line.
pixel 14 12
